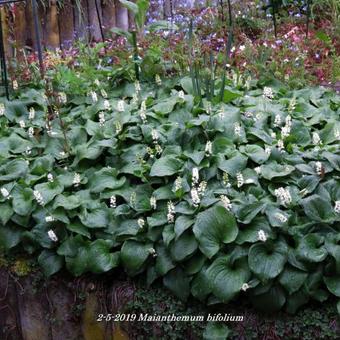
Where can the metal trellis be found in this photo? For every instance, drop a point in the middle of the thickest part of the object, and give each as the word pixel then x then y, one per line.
pixel 4 74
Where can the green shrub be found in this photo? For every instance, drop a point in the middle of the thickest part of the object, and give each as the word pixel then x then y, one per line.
pixel 217 200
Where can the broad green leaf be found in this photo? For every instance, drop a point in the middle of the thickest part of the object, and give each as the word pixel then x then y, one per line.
pixel 50 262
pixel 133 255
pixel 226 278
pixel 166 166
pixel 214 227
pixel 183 247
pixel 13 169
pixel 318 209
pixel 178 283
pixel 267 261
pixel 216 331
pixel 273 170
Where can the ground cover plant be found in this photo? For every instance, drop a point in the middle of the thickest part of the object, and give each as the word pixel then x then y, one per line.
pixel 213 198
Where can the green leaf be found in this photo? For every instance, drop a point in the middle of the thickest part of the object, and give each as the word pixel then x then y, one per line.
pixel 333 284
pixel 318 209
pixel 49 190
pixel 164 262
pixel 292 279
pixel 216 331
pixel 9 236
pixel 311 248
pixel 183 247
pixel 273 170
pixel 133 255
pixel 131 6
pixel 178 283
pixel 270 301
pixel 247 211
pixel 214 227
pixel 166 166
pixel 13 170
pixel 255 153
pixel 234 165
pixel 227 277
pixel 22 200
pixel 6 212
pixel 182 223
pixel 100 258
pixel 267 261
pixel 96 218
pixel 106 178
pixel 50 262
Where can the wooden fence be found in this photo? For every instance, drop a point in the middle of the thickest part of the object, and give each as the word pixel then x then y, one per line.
pixel 61 308
pixel 62 22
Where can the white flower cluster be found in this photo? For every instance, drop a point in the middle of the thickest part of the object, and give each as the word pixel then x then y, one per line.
pixel 101 116
pixel 283 195
pixel 121 106
pixel 277 120
pixel 158 80
pixel 38 197
pixel 282 218
pixel 49 219
pixel 318 168
pixel 30 132
pixel 258 170
pixel 245 287
pixel 31 113
pixel 107 105
pixel 53 237
pixel 137 87
pixel 292 104
pixel 113 201
pixel 93 96
pixel 281 145
pixel 141 223
pixel 196 200
pixel 268 92
pixel 50 177
pixel 208 148
pixel 152 252
pixel 153 202
pixel 316 139
pixel 15 85
pixel 2 109
pixel 62 98
pixel 240 179
pixel 262 236
pixel 181 95
pixel 268 150
pixel 118 127
pixel 22 124
pixel 337 207
pixel 178 183
pixel 28 150
pixel 336 133
pixel 142 112
pixel 226 202
pixel 285 131
pixel 171 212
pixel 133 198
pixel 76 179
pixel 5 193
pixel 237 129
pixel 225 179
pixel 103 93
pixel 195 176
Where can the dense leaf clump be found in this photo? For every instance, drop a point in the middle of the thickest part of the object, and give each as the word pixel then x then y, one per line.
pixel 215 199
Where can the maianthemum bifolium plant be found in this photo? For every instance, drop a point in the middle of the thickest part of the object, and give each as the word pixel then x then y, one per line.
pixel 215 199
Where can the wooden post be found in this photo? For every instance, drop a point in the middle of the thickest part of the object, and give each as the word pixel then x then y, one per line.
pixel 52 28
pixel 109 15
pixel 122 16
pixel 66 24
